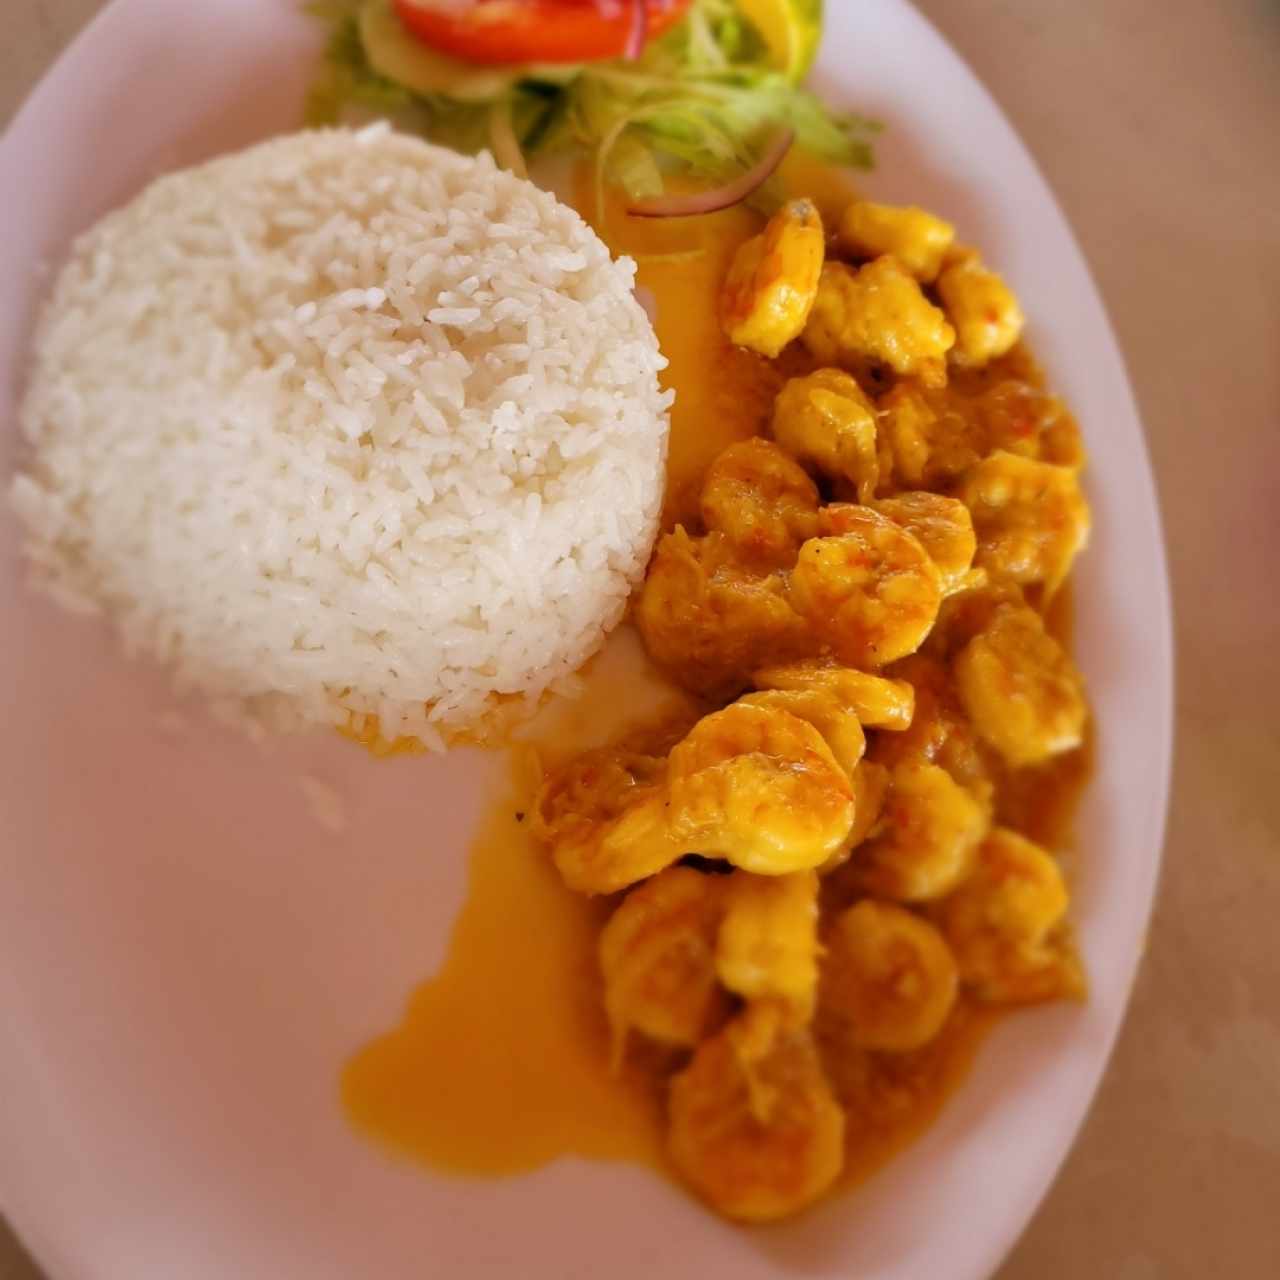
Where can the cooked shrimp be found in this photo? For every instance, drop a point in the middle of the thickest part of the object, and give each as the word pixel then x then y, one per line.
pixel 833 717
pixel 970 611
pixel 940 732
pixel 827 421
pixel 1018 416
pixel 929 439
pixel 1021 689
pixel 762 501
pixel 890 974
pixel 1030 517
pixel 604 818
pixel 877 702
pixel 657 957
pixel 927 443
pixel 768 943
pixel 943 527
pixel 773 280
pixel 870 791
pixel 983 309
pixel 918 240
pixel 710 622
pixel 759 787
pixel 928 833
pixel 871 594
pixel 880 314
pixel 1003 924
pixel 841 874
pixel 758 1140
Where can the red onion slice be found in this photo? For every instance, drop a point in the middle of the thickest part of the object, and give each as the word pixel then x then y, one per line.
pixel 722 197
pixel 637 30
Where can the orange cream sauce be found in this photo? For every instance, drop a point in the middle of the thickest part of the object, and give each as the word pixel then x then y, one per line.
pixel 908 1094
pixel 501 1061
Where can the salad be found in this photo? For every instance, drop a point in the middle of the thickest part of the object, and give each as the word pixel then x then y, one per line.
pixel 652 89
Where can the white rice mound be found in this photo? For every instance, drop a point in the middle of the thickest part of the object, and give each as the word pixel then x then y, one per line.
pixel 347 424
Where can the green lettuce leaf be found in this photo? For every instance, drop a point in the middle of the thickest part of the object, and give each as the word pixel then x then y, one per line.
pixel 698 101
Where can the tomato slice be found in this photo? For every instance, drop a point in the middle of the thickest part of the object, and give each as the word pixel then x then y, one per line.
pixel 507 31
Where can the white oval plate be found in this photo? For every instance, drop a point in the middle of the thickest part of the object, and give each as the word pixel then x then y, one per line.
pixel 187 958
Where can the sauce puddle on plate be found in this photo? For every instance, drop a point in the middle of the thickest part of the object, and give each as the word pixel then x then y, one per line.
pixel 501 1063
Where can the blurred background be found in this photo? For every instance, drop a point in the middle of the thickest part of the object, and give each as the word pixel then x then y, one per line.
pixel 1156 125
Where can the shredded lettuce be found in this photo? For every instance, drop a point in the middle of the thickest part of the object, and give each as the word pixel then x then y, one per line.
pixel 697 102
pixel 347 80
